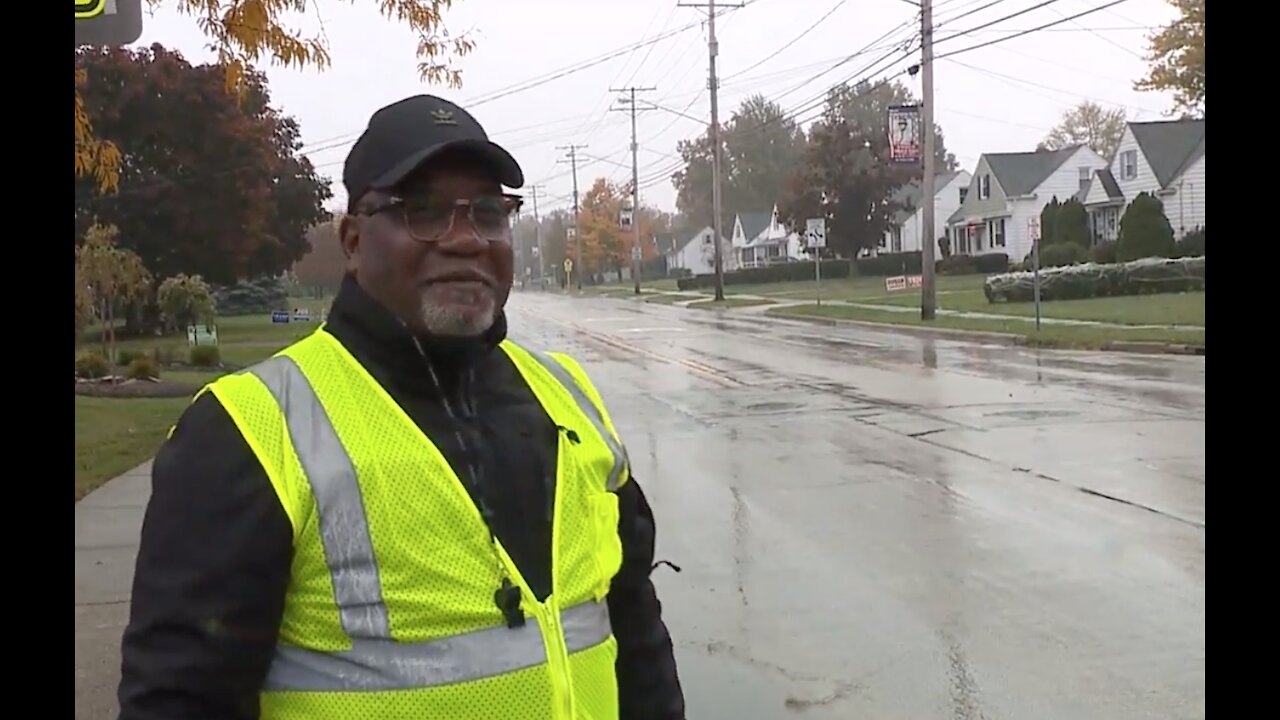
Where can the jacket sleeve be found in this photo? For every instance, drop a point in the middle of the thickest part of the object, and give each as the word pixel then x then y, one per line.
pixel 648 683
pixel 209 586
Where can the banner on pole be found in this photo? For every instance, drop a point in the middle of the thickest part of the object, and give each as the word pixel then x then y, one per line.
pixel 904 134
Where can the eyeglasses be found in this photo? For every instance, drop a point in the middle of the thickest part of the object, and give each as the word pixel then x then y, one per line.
pixel 430 218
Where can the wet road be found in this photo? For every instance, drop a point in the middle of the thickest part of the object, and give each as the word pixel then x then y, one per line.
pixel 874 525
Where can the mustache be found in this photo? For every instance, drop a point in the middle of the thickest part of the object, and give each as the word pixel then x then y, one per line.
pixel 460 276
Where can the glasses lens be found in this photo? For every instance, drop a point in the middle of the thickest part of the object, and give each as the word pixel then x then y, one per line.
pixel 428 217
pixel 491 214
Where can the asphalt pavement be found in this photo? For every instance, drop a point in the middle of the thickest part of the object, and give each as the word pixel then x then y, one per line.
pixel 869 524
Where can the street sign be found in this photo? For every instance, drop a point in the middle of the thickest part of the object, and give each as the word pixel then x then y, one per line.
pixel 815 233
pixel 571 232
pixel 1033 228
pixel 904 134
pixel 108 22
pixel 635 253
pixel 568 265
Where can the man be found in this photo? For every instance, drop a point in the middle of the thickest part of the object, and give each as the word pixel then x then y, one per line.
pixel 403 515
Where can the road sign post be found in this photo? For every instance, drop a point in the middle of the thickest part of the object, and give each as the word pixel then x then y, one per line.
pixel 1033 231
pixel 815 239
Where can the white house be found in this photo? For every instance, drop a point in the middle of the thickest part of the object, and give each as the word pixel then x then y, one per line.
pixel 904 233
pixel 1165 159
pixel 1008 189
pixel 696 252
pixel 759 239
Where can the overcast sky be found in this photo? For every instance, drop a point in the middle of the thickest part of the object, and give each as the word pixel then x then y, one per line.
pixel 1002 98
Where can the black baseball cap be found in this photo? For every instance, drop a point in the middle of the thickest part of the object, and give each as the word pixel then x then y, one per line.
pixel 404 135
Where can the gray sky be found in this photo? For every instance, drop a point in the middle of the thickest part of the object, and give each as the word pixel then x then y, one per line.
pixel 1002 98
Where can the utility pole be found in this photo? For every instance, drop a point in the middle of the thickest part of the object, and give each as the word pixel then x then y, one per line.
pixel 928 290
pixel 537 235
pixel 713 134
pixel 577 231
pixel 630 101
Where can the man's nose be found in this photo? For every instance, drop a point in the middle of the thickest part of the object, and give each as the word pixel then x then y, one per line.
pixel 462 237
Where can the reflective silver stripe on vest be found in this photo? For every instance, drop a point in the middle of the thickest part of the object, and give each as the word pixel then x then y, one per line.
pixel 344 527
pixel 592 412
pixel 381 665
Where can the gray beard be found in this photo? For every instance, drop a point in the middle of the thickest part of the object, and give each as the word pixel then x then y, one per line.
pixel 455 321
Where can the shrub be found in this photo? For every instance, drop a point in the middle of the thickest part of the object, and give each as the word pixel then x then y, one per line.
pixel 956 265
pixel 92 366
pixel 991 262
pixel 1191 244
pixel 1103 253
pixel 124 357
pixel 252 296
pixel 887 265
pixel 142 368
pixel 1139 277
pixel 164 356
pixel 205 356
pixel 1062 254
pixel 783 272
pixel 1144 230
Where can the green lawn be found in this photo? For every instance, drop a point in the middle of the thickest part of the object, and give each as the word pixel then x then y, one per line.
pixel 729 302
pixel 1065 336
pixel 670 298
pixel 1166 309
pixel 116 434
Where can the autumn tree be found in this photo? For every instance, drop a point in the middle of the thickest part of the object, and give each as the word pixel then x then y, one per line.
pixel 111 276
pixel 211 183
pixel 761 145
pixel 846 175
pixel 1176 55
pixel 604 246
pixel 244 33
pixel 1087 124
pixel 185 300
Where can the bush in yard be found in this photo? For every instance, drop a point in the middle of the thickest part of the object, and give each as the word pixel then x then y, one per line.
pixel 1103 253
pixel 124 357
pixel 205 356
pixel 1191 244
pixel 142 367
pixel 783 272
pixel 1071 225
pixel 252 296
pixel 1062 254
pixel 1139 277
pixel 1144 230
pixel 92 366
pixel 956 265
pixel 887 265
pixel 991 263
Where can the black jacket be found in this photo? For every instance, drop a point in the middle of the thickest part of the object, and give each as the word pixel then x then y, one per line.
pixel 216 551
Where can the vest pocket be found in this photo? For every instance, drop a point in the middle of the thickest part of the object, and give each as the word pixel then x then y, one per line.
pixel 608 546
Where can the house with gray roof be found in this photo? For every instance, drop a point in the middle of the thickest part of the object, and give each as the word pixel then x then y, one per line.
pixel 905 231
pixel 759 239
pixel 1008 190
pixel 693 251
pixel 1163 158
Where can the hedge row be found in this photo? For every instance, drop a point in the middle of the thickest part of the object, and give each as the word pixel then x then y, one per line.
pixel 1073 282
pixel 251 297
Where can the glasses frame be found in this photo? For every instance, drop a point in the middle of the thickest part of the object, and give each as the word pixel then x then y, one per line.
pixel 399 205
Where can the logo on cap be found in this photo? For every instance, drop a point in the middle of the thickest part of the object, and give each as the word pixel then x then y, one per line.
pixel 443 117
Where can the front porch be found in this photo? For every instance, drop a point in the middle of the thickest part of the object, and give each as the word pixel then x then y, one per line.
pixel 975 236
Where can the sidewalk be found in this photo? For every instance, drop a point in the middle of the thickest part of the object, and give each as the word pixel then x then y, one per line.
pixel 108 523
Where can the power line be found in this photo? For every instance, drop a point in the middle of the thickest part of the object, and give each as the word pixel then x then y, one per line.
pixel 793 41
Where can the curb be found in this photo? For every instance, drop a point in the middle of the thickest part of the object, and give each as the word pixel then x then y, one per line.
pixel 1153 348
pixel 943 333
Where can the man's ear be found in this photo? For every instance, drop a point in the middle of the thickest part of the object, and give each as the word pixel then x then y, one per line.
pixel 349 236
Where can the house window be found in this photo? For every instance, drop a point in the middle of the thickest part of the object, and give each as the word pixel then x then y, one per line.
pixel 897 239
pixel 1085 174
pixel 1129 164
pixel 964 192
pixel 984 187
pixel 996 228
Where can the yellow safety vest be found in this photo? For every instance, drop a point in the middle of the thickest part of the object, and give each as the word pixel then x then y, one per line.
pixel 390 613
